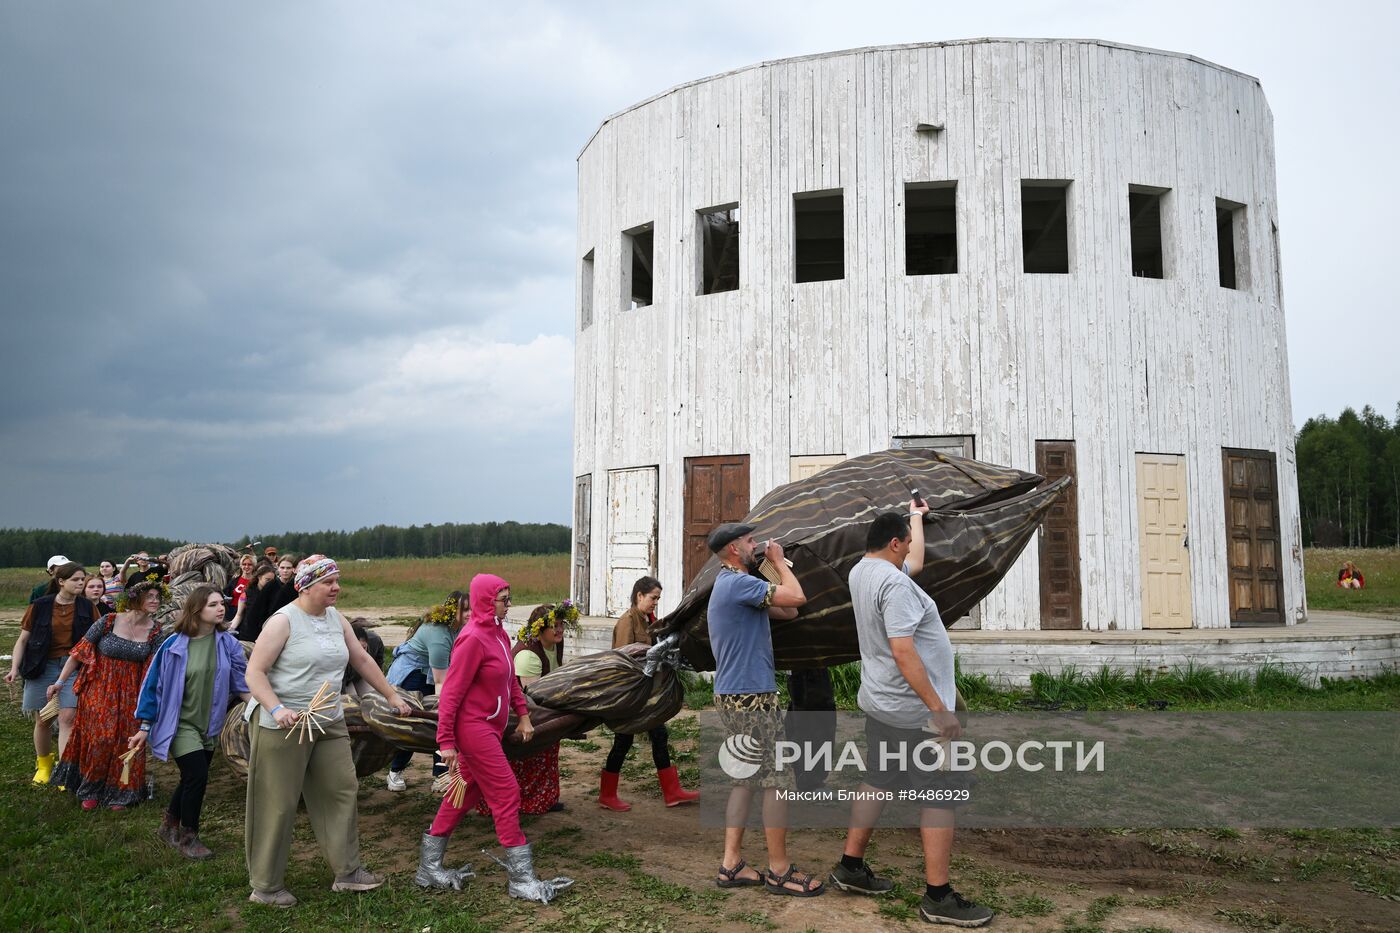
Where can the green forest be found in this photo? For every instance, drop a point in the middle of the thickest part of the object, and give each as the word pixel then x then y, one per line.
pixel 1349 479
pixel 32 547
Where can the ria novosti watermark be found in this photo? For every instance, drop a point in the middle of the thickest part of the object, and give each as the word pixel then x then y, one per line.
pixel 1052 769
pixel 741 756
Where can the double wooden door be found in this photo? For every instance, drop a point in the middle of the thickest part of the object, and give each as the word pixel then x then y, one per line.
pixel 1253 541
pixel 716 491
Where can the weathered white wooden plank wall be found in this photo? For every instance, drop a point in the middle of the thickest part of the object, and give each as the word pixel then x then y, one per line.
pixel 1116 363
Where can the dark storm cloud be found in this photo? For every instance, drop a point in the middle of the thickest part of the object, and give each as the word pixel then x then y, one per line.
pixel 268 266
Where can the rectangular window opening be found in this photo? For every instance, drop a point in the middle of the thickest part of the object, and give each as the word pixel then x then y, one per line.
pixel 637 255
pixel 819 236
pixel 1145 231
pixel 930 228
pixel 719 249
pixel 1229 238
pixel 585 296
pixel 1045 226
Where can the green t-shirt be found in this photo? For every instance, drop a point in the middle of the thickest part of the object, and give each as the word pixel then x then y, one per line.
pixel 190 734
pixel 527 664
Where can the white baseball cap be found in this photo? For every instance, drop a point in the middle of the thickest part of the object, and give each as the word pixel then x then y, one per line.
pixel 56 560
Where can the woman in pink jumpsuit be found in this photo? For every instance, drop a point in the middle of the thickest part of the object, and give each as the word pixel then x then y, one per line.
pixel 476 700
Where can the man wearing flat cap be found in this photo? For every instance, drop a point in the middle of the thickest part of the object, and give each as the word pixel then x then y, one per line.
pixel 746 697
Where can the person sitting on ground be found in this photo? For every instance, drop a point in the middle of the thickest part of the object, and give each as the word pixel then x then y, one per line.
pixel 420 664
pixel 1349 578
pixel 637 626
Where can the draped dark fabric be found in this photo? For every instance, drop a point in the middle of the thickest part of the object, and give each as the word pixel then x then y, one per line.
pixel 981 518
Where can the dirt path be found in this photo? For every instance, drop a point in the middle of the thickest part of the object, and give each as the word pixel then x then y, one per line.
pixel 650 869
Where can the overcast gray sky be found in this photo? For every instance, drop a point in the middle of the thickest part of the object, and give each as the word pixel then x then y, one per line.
pixel 274 266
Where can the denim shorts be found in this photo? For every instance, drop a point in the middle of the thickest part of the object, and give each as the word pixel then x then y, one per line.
pixel 36 690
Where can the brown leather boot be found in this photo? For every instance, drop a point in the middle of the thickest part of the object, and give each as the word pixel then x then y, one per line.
pixel 169 831
pixel 191 847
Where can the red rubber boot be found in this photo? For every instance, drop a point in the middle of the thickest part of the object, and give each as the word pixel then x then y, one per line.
pixel 607 793
pixel 671 788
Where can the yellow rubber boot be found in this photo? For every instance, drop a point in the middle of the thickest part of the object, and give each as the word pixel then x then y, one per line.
pixel 43 769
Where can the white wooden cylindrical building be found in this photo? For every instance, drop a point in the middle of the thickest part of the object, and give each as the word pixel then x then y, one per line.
pixel 1057 255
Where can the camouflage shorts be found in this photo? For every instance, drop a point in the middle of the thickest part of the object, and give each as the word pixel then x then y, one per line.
pixel 759 717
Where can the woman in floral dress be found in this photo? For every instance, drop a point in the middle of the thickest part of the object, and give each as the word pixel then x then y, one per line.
pixel 113 656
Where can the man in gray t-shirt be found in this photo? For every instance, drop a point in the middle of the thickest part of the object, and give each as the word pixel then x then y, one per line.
pixel 906 685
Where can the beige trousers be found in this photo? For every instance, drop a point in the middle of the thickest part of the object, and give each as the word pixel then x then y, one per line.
pixel 282 770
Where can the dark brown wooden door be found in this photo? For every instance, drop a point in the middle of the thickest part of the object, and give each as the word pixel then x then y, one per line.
pixel 716 490
pixel 583 538
pixel 1254 548
pixel 1060 602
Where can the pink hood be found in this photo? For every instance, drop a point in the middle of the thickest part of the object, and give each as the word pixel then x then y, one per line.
pixel 480 689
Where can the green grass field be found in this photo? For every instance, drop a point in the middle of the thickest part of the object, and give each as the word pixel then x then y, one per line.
pixel 1380 567
pixel 545 578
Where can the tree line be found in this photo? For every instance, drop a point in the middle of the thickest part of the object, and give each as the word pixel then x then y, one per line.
pixel 1349 479
pixel 32 547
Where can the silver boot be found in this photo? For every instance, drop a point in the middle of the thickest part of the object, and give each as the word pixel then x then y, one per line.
pixel 431 872
pixel 520 867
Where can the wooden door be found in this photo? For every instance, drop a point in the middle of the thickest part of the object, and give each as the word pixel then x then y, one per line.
pixel 808 466
pixel 1253 544
pixel 1162 541
pixel 716 490
pixel 1060 591
pixel 583 539
pixel 631 534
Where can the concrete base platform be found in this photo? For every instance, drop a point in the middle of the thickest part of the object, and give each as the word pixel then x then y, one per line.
pixel 1329 644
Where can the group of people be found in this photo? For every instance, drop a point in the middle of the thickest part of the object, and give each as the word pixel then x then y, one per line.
pixel 113 667
pixel 907 692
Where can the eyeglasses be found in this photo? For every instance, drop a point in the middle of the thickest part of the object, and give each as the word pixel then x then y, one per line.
pixel 502 599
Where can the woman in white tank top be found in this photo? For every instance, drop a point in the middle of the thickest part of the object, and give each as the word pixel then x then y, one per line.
pixel 305 645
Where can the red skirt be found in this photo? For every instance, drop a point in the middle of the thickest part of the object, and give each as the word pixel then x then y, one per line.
pixel 538 777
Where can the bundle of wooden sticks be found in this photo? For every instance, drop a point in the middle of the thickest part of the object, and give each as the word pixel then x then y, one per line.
pixel 49 710
pixel 456 789
pixel 314 716
pixel 126 760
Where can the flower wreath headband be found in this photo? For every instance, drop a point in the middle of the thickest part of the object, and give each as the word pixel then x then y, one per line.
pixel 444 613
pixel 565 614
pixel 131 596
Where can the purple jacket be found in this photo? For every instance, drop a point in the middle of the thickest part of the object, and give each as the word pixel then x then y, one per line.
pixel 164 688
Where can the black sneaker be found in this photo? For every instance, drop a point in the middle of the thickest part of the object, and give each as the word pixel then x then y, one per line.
pixel 955 910
pixel 859 880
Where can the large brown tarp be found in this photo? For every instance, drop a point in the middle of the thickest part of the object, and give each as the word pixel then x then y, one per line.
pixel 981 517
